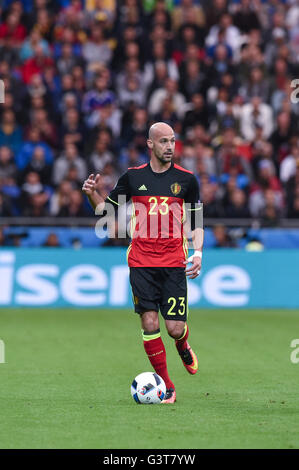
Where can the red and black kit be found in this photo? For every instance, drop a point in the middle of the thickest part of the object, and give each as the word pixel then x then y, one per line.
pixel 159 205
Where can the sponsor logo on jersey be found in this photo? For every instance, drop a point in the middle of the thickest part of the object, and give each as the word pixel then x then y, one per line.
pixel 142 188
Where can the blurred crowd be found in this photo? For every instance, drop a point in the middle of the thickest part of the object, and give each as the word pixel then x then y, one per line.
pixel 84 80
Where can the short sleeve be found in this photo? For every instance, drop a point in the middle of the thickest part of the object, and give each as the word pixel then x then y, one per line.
pixel 121 188
pixel 193 206
pixel 192 195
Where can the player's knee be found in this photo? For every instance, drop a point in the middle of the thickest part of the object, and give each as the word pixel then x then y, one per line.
pixel 175 329
pixel 150 321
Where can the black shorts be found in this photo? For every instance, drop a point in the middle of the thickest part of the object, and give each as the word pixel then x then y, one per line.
pixel 163 289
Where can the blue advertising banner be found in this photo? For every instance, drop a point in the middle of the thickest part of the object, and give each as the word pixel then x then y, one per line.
pixel 99 278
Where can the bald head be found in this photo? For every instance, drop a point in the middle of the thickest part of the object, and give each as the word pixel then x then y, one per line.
pixel 158 129
pixel 161 141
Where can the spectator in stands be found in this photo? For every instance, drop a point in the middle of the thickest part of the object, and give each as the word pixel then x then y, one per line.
pixel 229 31
pixel 222 237
pixel 109 177
pixel 135 131
pixel 132 91
pixel 188 159
pixel 228 119
pixel 72 130
pixel 36 64
pixel 74 207
pixel 47 130
pixel 106 115
pixel 10 132
pixel 271 212
pixel 7 166
pixel 232 164
pixel 167 113
pixel 25 153
pixel 289 163
pixel 256 114
pixel 131 157
pixel 27 50
pixel 159 54
pixel 67 60
pixel 292 188
pixel 2 237
pixel 52 241
pixel 194 81
pixel 212 207
pixel 197 114
pixel 170 90
pixel 186 10
pixel 36 205
pixel 237 205
pixel 61 197
pixel 245 18
pixel 282 134
pixel 99 10
pixel 12 32
pixel 257 199
pixel 69 158
pixel 5 206
pixel 100 157
pixel 96 49
pixel 206 162
pixel 39 165
pixel 257 85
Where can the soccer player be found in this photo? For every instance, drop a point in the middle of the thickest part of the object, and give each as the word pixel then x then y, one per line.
pixel 160 192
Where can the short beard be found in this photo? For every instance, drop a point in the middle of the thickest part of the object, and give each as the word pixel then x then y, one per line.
pixel 162 159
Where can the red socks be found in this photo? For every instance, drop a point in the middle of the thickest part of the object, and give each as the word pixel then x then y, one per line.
pixel 181 343
pixel 156 353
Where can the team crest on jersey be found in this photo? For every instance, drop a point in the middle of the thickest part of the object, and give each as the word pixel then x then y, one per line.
pixel 175 188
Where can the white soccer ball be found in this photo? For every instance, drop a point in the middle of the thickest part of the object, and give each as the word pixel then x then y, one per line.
pixel 148 388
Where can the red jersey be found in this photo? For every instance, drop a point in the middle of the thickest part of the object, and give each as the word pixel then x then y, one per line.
pixel 158 213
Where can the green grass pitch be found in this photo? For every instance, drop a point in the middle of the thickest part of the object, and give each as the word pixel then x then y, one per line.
pixel 67 376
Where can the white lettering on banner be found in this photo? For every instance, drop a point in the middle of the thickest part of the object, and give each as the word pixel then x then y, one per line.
pixel 89 285
pixel 220 283
pixel 84 277
pixel 43 291
pixel 2 352
pixel 119 285
pixel 6 277
pixel 295 353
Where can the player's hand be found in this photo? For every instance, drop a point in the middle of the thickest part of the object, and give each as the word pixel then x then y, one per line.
pixel 90 185
pixel 194 270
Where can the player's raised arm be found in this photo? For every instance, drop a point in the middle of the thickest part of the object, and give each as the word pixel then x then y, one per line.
pixel 91 187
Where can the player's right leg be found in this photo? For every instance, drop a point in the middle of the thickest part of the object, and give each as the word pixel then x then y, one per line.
pixel 146 288
pixel 154 346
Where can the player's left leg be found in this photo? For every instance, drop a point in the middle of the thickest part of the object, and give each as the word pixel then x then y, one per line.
pixel 174 310
pixel 179 331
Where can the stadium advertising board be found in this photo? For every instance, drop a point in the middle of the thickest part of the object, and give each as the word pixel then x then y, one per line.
pixel 99 278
